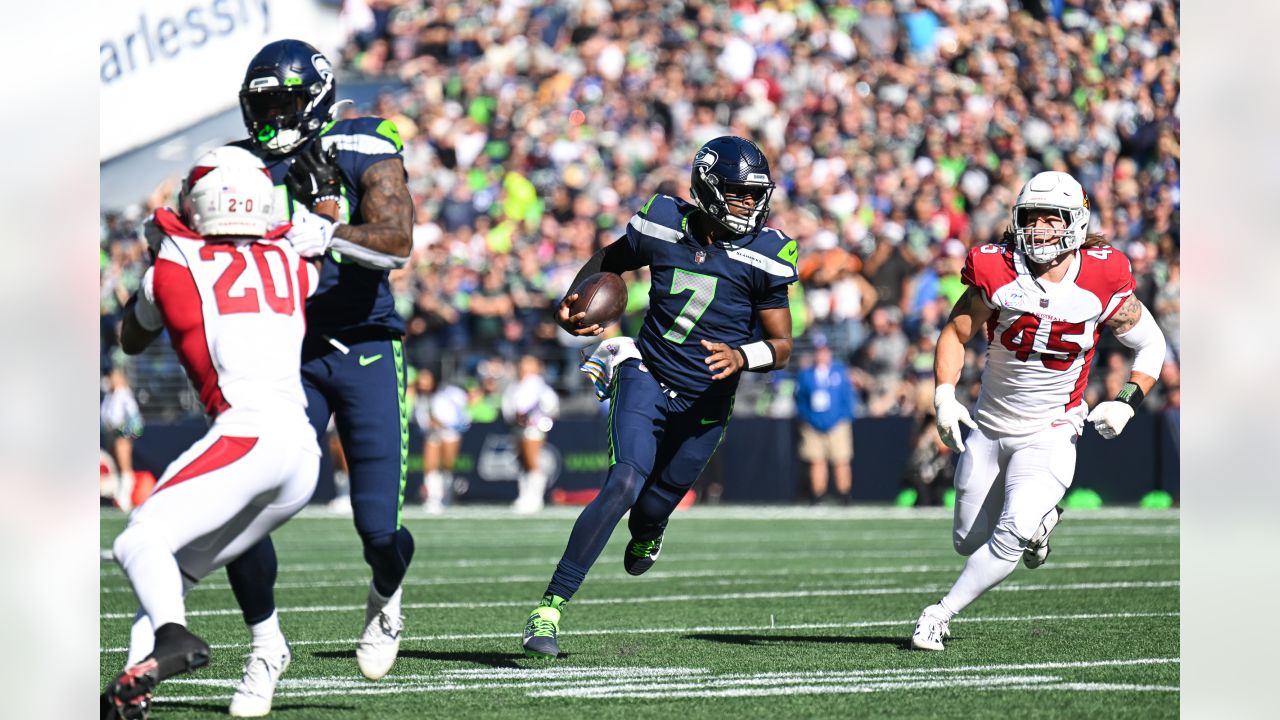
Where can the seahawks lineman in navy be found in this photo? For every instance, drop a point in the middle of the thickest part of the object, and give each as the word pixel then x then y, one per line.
pixel 352 360
pixel 717 307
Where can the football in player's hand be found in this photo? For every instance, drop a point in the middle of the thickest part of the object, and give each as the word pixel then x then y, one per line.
pixel 602 297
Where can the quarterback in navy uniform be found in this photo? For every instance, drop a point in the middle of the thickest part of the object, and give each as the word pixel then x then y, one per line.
pixel 717 306
pixel 352 358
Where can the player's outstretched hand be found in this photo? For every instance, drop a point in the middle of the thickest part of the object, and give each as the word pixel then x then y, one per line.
pixel 1110 417
pixel 724 361
pixel 314 174
pixel 950 415
pixel 570 322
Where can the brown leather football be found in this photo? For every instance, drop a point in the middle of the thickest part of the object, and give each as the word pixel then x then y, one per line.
pixel 602 297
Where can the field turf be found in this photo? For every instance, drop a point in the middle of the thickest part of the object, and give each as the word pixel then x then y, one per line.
pixel 750 612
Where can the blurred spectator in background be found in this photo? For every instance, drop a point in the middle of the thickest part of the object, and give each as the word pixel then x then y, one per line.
pixel 530 406
pixel 121 424
pixel 825 402
pixel 930 469
pixel 883 360
pixel 441 414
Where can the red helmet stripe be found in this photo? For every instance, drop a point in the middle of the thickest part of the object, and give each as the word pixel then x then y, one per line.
pixel 198 172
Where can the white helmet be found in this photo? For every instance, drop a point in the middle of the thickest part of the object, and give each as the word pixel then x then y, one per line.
pixel 229 192
pixel 1055 191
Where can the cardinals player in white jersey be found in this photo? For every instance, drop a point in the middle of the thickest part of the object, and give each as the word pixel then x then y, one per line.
pixel 230 293
pixel 1042 297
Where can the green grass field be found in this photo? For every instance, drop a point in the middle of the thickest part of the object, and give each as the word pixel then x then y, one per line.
pixel 751 612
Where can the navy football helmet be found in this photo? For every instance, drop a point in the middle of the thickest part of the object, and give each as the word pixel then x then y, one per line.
pixel 287 96
pixel 731 183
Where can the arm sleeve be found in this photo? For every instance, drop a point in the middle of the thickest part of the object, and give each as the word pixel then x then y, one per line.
pixel 145 309
pixel 365 257
pixel 1148 344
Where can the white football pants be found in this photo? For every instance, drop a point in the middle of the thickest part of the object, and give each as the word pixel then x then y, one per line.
pixel 214 502
pixel 1006 485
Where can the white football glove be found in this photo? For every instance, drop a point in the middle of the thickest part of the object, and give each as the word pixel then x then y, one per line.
pixel 950 414
pixel 1110 417
pixel 311 234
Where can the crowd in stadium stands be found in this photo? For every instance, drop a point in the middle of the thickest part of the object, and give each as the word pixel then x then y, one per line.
pixel 898 132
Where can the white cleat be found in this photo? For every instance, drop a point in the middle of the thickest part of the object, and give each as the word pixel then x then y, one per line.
pixel 257 686
pixel 1037 550
pixel 931 629
pixel 379 644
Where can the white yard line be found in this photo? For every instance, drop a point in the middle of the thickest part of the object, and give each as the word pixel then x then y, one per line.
pixel 684 682
pixel 764 630
pixel 689 597
pixel 360 581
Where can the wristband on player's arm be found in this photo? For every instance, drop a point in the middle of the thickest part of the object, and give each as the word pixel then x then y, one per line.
pixel 1131 395
pixel 758 356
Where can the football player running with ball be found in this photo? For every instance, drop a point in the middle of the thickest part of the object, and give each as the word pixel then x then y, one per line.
pixel 1043 297
pixel 351 173
pixel 257 465
pixel 717 307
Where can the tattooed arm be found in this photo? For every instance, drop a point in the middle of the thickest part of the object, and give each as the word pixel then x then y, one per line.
pixel 1134 326
pixel 385 238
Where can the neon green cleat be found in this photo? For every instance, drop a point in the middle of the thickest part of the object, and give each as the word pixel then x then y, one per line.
pixel 542 627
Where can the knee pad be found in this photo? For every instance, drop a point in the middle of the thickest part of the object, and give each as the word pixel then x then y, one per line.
pixel 624 484
pixel 1006 542
pixel 399 543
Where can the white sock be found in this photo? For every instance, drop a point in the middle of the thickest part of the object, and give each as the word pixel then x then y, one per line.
pixel 536 485
pixel 266 634
pixel 435 487
pixel 124 491
pixel 153 573
pixel 391 605
pixel 982 571
pixel 142 638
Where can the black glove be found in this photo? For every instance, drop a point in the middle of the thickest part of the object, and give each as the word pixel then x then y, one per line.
pixel 314 175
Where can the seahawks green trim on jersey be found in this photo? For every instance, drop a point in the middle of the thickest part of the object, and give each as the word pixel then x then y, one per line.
pixel 703 292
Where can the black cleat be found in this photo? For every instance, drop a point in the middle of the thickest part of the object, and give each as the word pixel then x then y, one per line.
pixel 641 555
pixel 177 650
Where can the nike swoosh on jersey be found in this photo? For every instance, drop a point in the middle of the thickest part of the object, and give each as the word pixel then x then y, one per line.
pixel 712 421
pixel 370 360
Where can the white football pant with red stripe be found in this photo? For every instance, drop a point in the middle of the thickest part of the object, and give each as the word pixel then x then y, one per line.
pixel 215 501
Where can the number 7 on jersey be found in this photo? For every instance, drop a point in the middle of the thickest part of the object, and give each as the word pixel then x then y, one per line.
pixel 703 288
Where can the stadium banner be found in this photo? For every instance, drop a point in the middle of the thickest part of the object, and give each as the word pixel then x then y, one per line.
pixel 166 65
pixel 756 463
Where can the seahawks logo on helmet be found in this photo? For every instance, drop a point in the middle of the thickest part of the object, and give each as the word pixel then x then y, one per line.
pixel 706 157
pixel 322 66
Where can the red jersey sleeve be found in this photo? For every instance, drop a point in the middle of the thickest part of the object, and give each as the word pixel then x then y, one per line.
pixel 1106 272
pixel 988 268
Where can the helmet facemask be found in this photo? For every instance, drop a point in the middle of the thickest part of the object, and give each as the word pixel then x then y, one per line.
pixel 279 119
pixel 1042 244
pixel 726 205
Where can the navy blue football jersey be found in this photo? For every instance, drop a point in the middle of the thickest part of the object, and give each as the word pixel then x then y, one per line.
pixel 348 295
pixel 703 292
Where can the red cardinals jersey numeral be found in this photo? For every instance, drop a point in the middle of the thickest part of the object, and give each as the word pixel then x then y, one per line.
pixel 247 301
pixel 1059 352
